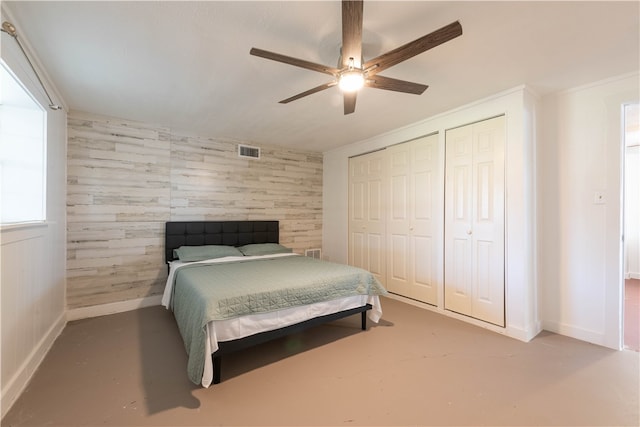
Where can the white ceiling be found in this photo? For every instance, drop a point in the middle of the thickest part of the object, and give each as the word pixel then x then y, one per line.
pixel 187 65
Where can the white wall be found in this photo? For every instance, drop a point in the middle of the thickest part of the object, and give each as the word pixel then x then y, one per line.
pixel 580 251
pixel 32 279
pixel 519 107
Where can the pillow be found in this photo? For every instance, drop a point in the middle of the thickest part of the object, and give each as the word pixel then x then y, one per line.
pixel 200 253
pixel 264 249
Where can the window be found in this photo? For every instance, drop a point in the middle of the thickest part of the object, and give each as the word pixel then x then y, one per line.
pixel 22 153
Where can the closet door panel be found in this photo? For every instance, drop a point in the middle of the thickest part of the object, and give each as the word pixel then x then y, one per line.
pixel 488 224
pixel 474 220
pixel 423 226
pixel 357 250
pixel 458 292
pixel 376 218
pixel 423 196
pixel 357 201
pixel 398 251
pixel 367 215
pixel 399 189
pixel 423 272
pixel 488 297
pixel 375 199
pixel 482 254
pixel 375 253
pixel 398 222
pixel 458 218
pixel 411 262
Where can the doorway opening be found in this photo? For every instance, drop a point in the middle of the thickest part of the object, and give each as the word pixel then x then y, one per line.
pixel 631 251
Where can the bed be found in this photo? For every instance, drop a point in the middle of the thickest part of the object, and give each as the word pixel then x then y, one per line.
pixel 218 308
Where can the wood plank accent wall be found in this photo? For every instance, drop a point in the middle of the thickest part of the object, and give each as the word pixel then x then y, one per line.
pixel 126 179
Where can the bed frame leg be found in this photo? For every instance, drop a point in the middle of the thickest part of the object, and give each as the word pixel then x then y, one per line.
pixel 217 362
pixel 364 320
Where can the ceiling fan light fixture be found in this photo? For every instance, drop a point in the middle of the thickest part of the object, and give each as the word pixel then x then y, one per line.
pixel 351 75
pixel 351 81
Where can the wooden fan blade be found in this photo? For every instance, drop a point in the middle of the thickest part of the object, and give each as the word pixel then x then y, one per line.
pixel 309 92
pixel 387 83
pixel 352 32
pixel 350 102
pixel 294 61
pixel 413 48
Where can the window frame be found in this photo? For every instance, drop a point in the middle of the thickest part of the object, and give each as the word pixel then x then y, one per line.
pixel 15 68
pixel 41 216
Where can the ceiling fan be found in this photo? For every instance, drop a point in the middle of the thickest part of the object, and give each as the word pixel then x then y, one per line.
pixel 353 72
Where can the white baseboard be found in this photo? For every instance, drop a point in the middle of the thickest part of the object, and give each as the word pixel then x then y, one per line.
pixel 510 331
pixel 19 381
pixel 594 337
pixel 525 335
pixel 112 308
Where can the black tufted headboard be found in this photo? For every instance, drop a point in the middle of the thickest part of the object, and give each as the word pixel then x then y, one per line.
pixel 231 233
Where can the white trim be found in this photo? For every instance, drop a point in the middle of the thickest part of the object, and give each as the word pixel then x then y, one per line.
pixel 594 337
pixel 16 385
pixel 416 129
pixel 112 308
pixel 509 331
pixel 597 83
pixel 18 233
pixel 7 15
pixel 23 225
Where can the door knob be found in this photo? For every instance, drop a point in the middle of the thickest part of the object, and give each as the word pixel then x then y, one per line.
pixel 469 232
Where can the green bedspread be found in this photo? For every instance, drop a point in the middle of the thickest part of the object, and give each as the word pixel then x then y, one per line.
pixel 206 292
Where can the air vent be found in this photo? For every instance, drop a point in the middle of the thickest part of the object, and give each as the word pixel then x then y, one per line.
pixel 248 151
pixel 313 253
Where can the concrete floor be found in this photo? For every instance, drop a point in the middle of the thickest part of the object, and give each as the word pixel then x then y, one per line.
pixel 414 368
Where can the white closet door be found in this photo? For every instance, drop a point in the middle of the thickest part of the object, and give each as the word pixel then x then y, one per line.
pixel 474 220
pixel 367 213
pixel 411 234
pixel 458 219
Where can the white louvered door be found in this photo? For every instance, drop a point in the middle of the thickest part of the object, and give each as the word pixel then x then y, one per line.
pixel 367 213
pixel 474 220
pixel 411 227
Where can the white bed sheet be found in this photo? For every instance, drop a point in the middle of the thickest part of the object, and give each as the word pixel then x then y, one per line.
pixel 240 327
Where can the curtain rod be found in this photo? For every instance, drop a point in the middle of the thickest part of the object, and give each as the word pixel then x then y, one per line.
pixel 7 27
